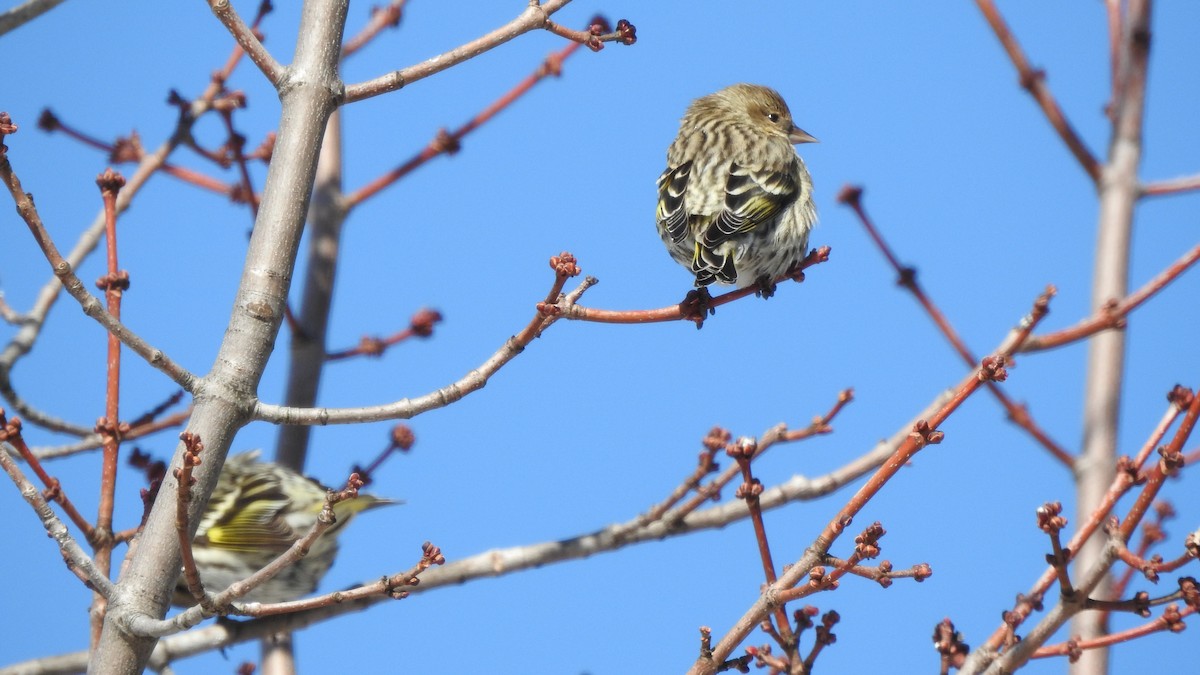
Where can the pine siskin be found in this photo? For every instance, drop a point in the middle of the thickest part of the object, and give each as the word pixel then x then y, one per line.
pixel 256 512
pixel 735 203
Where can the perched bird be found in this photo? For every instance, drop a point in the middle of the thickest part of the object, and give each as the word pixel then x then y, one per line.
pixel 256 512
pixel 735 203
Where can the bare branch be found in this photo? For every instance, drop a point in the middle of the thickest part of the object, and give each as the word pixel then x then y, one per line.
pixel 536 15
pixel 1034 81
pixel 500 562
pixel 408 408
pixel 1113 314
pixel 248 41
pixel 76 558
pixel 906 277
pixel 24 13
pixel 90 305
pixel 1172 186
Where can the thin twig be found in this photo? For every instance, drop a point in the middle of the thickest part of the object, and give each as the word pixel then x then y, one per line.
pixel 1114 313
pixel 387 16
pixel 536 15
pixel 1171 621
pixel 247 39
pixel 1034 81
pixel 1173 186
pixel 776 434
pixel 10 432
pixel 193 447
pixel 923 433
pixel 500 562
pixel 906 277
pixel 421 325
pixel 94 441
pixel 114 284
pixel 686 310
pixel 148 627
pixel 1122 481
pixel 411 407
pixel 90 305
pixel 449 143
pixel 77 559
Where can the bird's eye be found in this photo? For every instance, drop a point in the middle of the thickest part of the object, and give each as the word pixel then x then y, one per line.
pixel 774 117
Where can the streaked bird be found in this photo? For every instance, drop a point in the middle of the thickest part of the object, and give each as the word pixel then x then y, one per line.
pixel 256 512
pixel 735 203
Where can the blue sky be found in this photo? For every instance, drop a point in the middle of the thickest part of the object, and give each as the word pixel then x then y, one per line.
pixel 593 423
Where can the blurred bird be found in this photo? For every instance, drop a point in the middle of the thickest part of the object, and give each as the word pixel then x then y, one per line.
pixel 256 512
pixel 735 203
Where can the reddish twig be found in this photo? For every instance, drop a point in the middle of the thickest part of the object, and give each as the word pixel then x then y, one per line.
pixel 10 432
pixel 192 447
pixel 743 451
pixel 1113 314
pixel 387 16
pixel 883 573
pixel 450 142
pixel 716 439
pixel 866 546
pixel 907 279
pixel 684 310
pixel 777 434
pixel 1170 462
pixel 1125 478
pixel 1180 398
pixel 1171 621
pixel 421 325
pixel 109 427
pixel 1150 568
pixel 1034 82
pixel 93 441
pixel 596 34
pixel 400 439
pixel 113 284
pixel 127 150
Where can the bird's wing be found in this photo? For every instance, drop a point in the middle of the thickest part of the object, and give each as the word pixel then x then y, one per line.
pixel 671 217
pixel 252 521
pixel 752 197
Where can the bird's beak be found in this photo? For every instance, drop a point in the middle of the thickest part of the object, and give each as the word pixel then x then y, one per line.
pixel 798 135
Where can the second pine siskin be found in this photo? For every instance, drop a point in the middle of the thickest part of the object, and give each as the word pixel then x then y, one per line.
pixel 735 203
pixel 256 512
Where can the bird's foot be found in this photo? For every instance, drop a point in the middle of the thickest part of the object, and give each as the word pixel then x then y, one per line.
pixel 766 287
pixel 696 306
